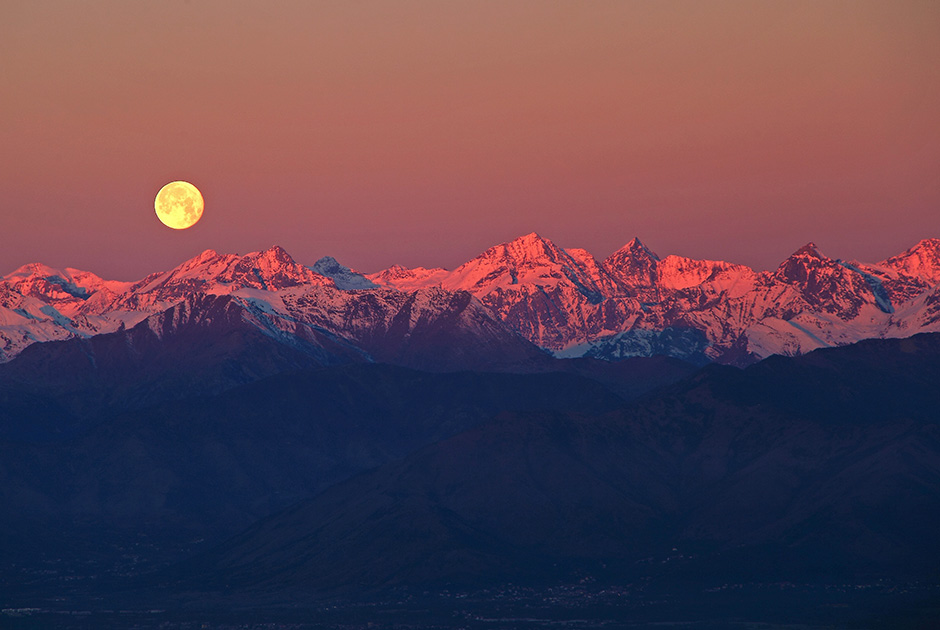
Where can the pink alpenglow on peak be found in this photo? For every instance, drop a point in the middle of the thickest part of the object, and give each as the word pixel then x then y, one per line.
pixel 635 266
pixel 561 299
pixel 404 279
pixel 529 260
pixel 921 261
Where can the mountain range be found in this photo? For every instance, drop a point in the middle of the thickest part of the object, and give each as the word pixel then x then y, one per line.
pixel 793 469
pixel 652 436
pixel 800 489
pixel 509 305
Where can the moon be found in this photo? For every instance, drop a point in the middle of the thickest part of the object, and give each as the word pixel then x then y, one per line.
pixel 179 205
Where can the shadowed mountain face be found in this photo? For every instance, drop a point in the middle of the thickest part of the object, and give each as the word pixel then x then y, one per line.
pixel 90 501
pixel 207 465
pixel 209 343
pixel 204 345
pixel 825 466
pixel 210 415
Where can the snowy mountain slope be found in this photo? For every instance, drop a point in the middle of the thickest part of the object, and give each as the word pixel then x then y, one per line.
pixel 39 303
pixel 344 277
pixel 809 301
pixel 635 266
pixel 203 344
pixel 428 328
pixel 63 305
pixel 531 259
pixel 431 328
pixel 921 262
pixel 270 270
pixel 404 279
pixel 564 300
pixel 550 295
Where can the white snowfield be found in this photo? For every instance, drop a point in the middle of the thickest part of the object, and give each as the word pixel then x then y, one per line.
pixel 564 300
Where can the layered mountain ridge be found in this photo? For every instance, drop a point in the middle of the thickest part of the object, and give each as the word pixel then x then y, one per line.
pixel 723 476
pixel 512 299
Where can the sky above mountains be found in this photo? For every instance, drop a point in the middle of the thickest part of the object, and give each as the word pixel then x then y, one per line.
pixel 420 133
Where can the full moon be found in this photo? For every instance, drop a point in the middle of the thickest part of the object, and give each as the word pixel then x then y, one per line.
pixel 179 205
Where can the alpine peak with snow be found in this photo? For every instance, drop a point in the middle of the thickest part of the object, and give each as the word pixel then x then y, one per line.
pixel 523 298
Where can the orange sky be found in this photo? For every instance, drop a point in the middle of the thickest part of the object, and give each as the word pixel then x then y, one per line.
pixel 421 133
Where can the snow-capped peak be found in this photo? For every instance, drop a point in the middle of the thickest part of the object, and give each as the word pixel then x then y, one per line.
pixel 809 250
pixel 344 277
pixel 274 268
pixel 208 254
pixel 55 286
pixel 84 281
pixel 34 270
pixel 274 255
pixel 632 256
pixel 800 264
pixel 404 279
pixel 211 272
pixel 634 266
pixel 529 259
pixel 530 248
pixel 679 272
pixel 921 261
pixel 637 248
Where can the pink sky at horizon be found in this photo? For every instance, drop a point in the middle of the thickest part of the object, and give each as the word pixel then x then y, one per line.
pixel 421 133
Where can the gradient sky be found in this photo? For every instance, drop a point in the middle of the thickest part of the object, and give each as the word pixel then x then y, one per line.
pixel 421 133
